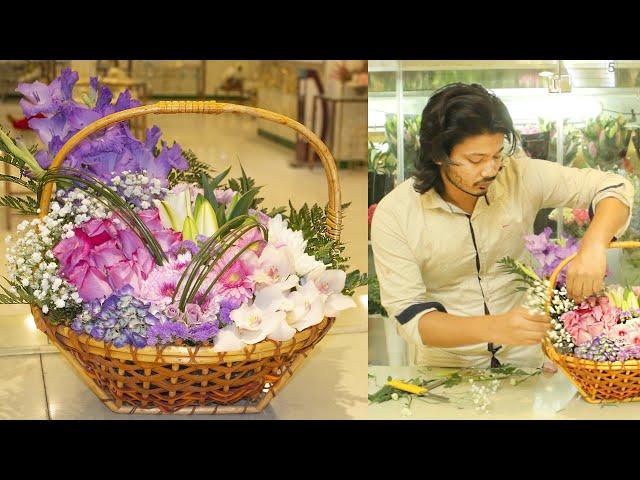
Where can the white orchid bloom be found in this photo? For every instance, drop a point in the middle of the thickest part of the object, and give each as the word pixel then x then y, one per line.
pixel 308 307
pixel 255 324
pixel 273 298
pixel 274 265
pixel 174 209
pixel 228 340
pixel 330 284
pixel 280 235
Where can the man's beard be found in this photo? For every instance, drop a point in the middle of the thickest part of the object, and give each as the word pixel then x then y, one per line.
pixel 455 184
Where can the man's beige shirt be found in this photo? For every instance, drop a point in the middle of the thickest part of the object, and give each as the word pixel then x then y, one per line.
pixel 425 249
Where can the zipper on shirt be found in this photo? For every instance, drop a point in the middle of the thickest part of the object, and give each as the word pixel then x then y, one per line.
pixel 493 349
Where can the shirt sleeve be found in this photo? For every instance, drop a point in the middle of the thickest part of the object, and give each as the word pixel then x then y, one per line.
pixel 402 290
pixel 552 185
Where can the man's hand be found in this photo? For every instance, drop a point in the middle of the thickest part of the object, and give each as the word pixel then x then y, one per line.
pixel 585 273
pixel 518 327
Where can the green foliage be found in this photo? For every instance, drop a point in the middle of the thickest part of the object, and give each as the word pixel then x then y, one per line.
pixel 311 221
pixel 515 374
pixel 20 296
pixel 191 174
pixel 24 205
pixel 244 185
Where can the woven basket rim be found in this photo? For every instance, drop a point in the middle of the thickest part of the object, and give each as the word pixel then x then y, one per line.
pixel 263 348
pixel 554 355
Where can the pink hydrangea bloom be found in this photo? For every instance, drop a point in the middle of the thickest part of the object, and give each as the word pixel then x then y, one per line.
pixel 594 317
pixel 103 256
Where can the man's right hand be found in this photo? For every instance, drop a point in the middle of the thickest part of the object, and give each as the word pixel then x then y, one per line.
pixel 518 327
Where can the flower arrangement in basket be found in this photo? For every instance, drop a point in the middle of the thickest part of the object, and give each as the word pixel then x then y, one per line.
pixel 597 342
pixel 168 288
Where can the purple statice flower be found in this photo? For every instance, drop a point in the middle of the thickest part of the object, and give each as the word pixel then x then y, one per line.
pixel 204 331
pixel 629 352
pixel 226 307
pixel 166 332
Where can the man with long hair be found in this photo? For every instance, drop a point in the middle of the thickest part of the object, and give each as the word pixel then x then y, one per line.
pixel 437 237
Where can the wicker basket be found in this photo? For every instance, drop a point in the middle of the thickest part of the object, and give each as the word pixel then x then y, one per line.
pixel 597 382
pixel 181 379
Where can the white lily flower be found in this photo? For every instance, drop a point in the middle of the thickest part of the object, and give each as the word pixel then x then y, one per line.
pixel 189 229
pixel 329 281
pixel 205 217
pixel 337 302
pixel 273 298
pixel 174 209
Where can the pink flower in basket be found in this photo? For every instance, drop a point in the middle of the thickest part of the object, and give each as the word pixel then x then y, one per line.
pixel 581 216
pixel 626 333
pixel 101 257
pixel 594 317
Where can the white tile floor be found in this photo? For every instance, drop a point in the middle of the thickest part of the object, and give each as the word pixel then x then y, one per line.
pixel 35 383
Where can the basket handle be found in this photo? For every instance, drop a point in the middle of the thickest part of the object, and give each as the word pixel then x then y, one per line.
pixel 556 272
pixel 334 209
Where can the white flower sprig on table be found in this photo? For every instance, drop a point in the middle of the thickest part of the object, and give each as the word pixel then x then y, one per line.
pixel 481 394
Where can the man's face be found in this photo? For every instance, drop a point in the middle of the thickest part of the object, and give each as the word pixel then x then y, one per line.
pixel 476 162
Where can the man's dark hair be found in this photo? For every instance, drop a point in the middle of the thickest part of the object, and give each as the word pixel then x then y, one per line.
pixel 453 113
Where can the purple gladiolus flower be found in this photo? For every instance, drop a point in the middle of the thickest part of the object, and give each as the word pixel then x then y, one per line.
pixel 549 254
pixel 111 150
pixel 151 137
pixel 41 98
